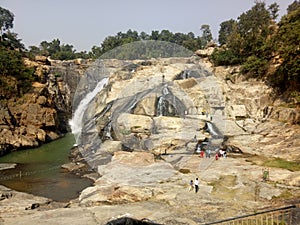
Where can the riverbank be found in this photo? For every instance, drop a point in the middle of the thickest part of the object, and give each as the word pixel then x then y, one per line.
pixel 40 171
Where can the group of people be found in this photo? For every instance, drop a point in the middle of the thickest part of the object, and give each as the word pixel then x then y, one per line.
pixel 194 185
pixel 220 153
pixel 202 149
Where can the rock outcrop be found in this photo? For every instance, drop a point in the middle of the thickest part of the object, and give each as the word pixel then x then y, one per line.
pixel 42 114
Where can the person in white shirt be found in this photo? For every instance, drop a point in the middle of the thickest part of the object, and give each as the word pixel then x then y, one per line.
pixel 196 183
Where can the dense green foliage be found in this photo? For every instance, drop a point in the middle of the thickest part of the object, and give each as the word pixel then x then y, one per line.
pixel 56 50
pixel 286 42
pixel 6 20
pixel 255 41
pixel 188 41
pixel 15 77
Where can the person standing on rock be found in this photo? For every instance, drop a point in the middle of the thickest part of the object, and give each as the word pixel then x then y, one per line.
pixel 207 153
pixel 191 185
pixel 196 183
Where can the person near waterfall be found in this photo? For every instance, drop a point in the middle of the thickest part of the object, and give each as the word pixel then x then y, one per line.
pixel 196 184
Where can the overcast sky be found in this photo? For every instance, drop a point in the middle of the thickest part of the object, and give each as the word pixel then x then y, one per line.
pixel 85 23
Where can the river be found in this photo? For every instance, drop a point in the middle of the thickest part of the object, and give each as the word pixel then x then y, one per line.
pixel 39 172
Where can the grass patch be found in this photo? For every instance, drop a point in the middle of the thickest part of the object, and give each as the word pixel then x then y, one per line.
pixel 281 163
pixel 273 162
pixel 284 195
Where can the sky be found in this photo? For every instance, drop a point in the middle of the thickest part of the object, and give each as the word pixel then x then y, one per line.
pixel 85 24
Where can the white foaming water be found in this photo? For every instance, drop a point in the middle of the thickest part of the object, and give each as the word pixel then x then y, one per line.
pixel 211 129
pixel 76 121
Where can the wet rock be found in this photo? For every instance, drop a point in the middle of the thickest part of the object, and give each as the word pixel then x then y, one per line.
pixel 6 166
pixel 73 166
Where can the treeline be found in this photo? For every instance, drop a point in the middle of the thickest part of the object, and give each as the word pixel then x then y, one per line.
pixel 189 41
pixel 264 49
pixel 56 50
pixel 15 77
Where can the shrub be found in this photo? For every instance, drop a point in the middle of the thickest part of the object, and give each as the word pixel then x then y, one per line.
pixel 224 58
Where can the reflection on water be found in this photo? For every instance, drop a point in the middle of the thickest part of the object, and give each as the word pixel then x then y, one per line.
pixel 39 171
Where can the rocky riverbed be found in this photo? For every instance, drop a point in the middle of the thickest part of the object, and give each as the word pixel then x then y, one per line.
pixel 138 186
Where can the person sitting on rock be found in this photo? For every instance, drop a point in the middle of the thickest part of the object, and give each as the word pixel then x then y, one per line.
pixel 221 153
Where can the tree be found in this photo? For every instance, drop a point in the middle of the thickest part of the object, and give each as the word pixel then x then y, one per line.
pixel 274 9
pixel 206 33
pixel 6 20
pixel 225 30
pixel 287 75
pixel 15 77
pixel 247 39
pixel 10 40
pixel 166 35
pixel 35 50
pixel 154 35
pixel 96 52
pixel 253 26
pixel 144 36
pixel 294 6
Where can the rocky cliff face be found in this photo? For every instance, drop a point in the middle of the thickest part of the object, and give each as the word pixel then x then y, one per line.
pixel 42 114
pixel 140 133
pixel 161 105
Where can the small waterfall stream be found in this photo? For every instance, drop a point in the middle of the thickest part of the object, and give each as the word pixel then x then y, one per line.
pixel 76 121
pixel 162 103
pixel 212 130
pixel 216 139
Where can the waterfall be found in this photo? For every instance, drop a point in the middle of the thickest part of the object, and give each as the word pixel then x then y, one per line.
pixel 212 130
pixel 107 132
pixel 165 91
pixel 162 107
pixel 76 121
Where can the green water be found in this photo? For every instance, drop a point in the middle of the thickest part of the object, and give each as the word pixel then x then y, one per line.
pixel 39 171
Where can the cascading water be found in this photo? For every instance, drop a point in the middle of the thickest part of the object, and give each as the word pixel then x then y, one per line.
pixel 165 91
pixel 212 130
pixel 107 132
pixel 162 107
pixel 216 139
pixel 162 103
pixel 76 121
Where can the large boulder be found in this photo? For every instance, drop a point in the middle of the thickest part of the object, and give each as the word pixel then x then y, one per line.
pixel 134 123
pixel 205 52
pixel 129 177
pixel 146 106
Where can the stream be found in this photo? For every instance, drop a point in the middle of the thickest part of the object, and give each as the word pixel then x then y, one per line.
pixel 39 172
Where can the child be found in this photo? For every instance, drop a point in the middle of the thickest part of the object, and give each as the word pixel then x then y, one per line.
pixel 191 185
pixel 217 156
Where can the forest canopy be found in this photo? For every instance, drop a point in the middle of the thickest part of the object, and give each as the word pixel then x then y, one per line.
pixel 259 44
